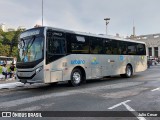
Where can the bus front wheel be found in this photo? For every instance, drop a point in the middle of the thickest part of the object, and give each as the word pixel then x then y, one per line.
pixel 128 72
pixel 76 77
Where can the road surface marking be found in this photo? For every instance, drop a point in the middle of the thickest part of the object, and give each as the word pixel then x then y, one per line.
pixel 128 108
pixel 133 111
pixel 155 89
pixel 117 105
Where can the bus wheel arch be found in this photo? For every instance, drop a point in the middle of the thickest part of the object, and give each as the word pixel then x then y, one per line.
pixel 79 74
pixel 128 71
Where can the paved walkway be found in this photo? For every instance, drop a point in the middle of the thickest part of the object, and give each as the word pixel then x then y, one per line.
pixel 9 83
pixel 8 80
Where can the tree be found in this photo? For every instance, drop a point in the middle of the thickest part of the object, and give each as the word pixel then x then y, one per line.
pixel 9 43
pixel 14 43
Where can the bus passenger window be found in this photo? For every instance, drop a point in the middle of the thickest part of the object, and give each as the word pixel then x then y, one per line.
pixel 108 51
pixel 78 44
pixel 96 45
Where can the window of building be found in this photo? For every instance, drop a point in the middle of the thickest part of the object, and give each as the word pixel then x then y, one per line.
pixel 156 36
pixel 150 51
pixel 156 52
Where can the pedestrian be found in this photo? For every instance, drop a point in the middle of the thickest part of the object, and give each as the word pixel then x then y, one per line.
pixel 5 62
pixel 4 71
pixel 14 60
pixel 12 70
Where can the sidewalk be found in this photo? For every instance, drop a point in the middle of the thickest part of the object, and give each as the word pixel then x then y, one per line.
pixel 8 80
pixel 9 83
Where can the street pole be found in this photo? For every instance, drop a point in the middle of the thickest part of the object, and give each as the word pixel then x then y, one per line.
pixel 42 12
pixel 107 22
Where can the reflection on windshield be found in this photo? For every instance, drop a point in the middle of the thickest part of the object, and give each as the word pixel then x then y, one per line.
pixel 30 49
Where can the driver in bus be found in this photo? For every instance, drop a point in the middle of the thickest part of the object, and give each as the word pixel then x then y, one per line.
pixel 25 59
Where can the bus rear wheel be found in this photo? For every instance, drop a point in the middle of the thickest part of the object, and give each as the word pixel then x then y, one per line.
pixel 76 78
pixel 128 73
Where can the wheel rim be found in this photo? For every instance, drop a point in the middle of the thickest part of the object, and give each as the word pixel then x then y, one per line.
pixel 129 72
pixel 76 77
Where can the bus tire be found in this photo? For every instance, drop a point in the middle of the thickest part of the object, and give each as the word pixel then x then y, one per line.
pixel 76 77
pixel 128 73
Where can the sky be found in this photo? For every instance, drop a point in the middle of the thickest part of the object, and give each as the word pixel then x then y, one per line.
pixel 85 15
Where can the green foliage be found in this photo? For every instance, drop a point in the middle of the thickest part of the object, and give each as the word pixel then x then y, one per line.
pixel 4 50
pixel 9 43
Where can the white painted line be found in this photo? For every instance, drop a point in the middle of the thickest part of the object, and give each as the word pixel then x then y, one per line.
pixel 128 108
pixel 117 105
pixel 133 111
pixel 155 89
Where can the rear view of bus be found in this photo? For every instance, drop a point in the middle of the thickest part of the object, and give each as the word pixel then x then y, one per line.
pixel 31 56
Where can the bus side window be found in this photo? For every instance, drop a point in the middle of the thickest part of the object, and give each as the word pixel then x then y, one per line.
pixel 96 45
pixel 77 44
pixel 114 47
pixel 108 51
pixel 141 49
pixel 108 46
pixel 131 48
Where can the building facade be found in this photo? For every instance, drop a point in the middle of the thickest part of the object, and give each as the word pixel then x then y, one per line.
pixel 5 28
pixel 152 43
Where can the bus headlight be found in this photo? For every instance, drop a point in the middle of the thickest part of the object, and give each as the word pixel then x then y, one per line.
pixel 39 69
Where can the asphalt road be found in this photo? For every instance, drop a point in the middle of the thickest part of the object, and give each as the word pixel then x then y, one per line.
pixel 115 94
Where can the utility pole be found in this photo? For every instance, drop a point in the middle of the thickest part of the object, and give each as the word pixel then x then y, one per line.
pixel 42 12
pixel 107 22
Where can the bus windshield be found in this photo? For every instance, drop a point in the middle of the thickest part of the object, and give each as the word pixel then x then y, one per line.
pixel 30 49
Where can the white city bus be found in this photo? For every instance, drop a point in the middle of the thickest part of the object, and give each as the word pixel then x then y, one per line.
pixel 50 55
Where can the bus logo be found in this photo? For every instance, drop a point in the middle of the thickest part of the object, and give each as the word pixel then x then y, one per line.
pixel 6 114
pixel 121 58
pixel 77 62
pixel 94 61
pixel 57 34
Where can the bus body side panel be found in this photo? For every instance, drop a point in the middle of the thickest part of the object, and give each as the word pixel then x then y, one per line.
pixel 116 64
pixel 112 65
pixel 61 69
pixel 141 63
pixel 95 66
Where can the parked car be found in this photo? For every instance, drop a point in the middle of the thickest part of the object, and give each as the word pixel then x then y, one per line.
pixel 154 62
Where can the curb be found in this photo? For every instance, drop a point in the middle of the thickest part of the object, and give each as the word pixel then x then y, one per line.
pixel 11 85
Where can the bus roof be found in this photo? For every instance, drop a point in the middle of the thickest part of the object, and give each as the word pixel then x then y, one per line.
pixel 91 34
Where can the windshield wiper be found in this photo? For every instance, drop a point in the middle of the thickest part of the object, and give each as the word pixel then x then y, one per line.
pixel 28 47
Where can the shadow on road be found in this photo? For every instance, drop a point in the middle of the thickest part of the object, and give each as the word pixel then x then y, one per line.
pixel 63 86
